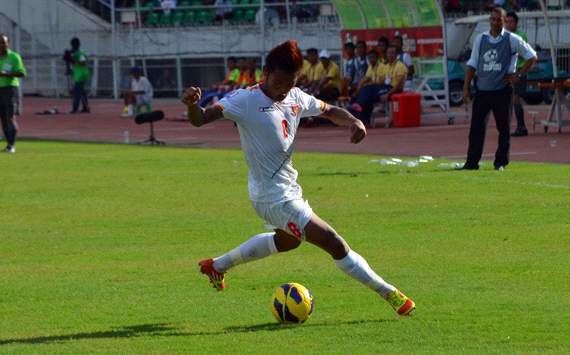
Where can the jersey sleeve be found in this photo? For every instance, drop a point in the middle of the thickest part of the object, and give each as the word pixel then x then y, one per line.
pixel 234 105
pixel 523 48
pixel 310 105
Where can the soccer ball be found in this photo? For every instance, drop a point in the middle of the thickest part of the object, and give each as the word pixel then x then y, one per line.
pixel 291 303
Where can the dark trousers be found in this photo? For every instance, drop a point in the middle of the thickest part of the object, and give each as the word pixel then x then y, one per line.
pixel 364 103
pixel 79 95
pixel 486 101
pixel 8 97
pixel 329 94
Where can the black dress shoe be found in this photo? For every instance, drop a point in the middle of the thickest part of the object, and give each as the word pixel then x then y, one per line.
pixel 520 133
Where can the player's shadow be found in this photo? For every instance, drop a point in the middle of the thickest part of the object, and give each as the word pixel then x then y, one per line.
pixel 165 330
pixel 123 332
pixel 277 327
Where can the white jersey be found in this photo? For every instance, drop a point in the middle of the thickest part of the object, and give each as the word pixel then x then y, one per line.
pixel 267 132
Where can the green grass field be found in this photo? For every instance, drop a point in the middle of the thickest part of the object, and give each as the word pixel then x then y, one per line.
pixel 99 246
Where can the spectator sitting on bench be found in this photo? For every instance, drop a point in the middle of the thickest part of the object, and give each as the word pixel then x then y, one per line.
pixel 405 58
pixel 311 72
pixel 140 95
pixel 367 89
pixel 348 84
pixel 382 46
pixel 229 83
pixel 360 62
pixel 370 79
pixel 329 84
pixel 390 77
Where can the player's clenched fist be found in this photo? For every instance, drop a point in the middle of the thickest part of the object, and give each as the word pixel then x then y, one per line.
pixel 192 95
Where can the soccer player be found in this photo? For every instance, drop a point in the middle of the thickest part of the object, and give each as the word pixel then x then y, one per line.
pixel 267 116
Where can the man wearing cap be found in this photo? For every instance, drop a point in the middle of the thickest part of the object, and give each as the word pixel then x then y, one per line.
pixel 141 93
pixel 329 84
pixel 11 69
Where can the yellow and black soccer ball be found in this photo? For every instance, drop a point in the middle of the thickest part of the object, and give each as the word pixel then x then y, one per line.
pixel 292 303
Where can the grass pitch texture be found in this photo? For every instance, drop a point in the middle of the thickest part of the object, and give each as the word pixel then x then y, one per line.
pixel 99 246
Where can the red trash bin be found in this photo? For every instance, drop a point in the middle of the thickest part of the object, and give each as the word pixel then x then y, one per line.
pixel 406 109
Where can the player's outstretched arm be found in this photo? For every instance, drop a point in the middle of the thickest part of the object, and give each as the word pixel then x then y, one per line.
pixel 196 114
pixel 342 117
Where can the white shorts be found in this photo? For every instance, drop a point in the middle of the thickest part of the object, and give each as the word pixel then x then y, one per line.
pixel 290 216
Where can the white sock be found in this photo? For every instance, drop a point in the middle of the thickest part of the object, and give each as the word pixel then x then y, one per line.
pixel 257 247
pixel 356 267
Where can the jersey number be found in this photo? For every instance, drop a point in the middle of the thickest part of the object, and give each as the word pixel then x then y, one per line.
pixel 285 126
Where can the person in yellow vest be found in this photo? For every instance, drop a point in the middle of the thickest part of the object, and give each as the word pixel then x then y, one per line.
pixel 392 74
pixel 311 72
pixel 329 84
pixel 371 76
pixel 382 46
pixel 11 69
pixel 255 72
pixel 390 79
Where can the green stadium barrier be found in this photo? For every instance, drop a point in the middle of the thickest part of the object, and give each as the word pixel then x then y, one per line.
pixel 152 19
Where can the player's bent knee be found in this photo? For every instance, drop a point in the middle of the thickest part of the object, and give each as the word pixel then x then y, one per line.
pixel 285 241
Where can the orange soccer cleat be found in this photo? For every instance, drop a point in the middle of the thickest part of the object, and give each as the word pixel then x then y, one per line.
pixel 216 278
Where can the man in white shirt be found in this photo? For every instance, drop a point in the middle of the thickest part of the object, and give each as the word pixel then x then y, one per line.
pixel 140 95
pixel 494 59
pixel 267 116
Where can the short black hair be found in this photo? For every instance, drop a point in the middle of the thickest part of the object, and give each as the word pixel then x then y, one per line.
pixel 75 43
pixel 232 59
pixel 349 45
pixel 373 51
pixel 313 51
pixel 136 70
pixel 361 42
pixel 513 15
pixel 384 40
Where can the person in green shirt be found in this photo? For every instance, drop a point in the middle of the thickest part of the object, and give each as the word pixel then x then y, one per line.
pixel 80 75
pixel 11 69
pixel 511 24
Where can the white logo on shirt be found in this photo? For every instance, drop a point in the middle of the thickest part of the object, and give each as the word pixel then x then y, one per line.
pixel 490 58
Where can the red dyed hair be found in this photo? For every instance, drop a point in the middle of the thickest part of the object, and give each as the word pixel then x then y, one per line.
pixel 287 57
